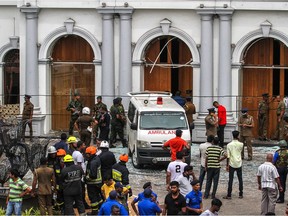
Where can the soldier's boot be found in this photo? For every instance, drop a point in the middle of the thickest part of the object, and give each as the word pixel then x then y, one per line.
pixel 124 143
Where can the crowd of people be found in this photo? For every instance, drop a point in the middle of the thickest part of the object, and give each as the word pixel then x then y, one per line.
pixel 74 168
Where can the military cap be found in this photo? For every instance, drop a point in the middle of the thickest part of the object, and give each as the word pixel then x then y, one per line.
pixel 244 110
pixel 147 184
pixel 119 99
pixel 265 94
pixel 115 101
pixel 99 97
pixel 76 94
pixel 27 96
pixel 211 109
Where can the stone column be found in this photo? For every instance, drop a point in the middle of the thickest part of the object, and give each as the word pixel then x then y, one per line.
pixel 206 64
pixel 108 76
pixel 31 57
pixel 225 73
pixel 125 54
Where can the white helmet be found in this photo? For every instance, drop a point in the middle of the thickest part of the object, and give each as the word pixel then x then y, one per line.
pixel 52 150
pixel 86 110
pixel 104 144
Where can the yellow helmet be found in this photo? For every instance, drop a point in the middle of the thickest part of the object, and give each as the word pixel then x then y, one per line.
pixel 72 139
pixel 68 158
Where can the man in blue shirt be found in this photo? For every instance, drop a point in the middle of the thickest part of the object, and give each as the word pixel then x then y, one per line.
pixel 106 207
pixel 62 144
pixel 141 197
pixel 148 206
pixel 194 203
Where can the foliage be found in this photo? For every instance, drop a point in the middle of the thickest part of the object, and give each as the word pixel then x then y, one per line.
pixel 2 210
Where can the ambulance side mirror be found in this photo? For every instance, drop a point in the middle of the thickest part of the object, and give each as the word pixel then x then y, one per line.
pixel 133 126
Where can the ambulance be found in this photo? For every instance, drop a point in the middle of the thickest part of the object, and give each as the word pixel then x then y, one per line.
pixel 153 118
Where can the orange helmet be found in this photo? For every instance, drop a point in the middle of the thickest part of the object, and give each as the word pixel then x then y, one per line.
pixel 61 152
pixel 91 150
pixel 123 157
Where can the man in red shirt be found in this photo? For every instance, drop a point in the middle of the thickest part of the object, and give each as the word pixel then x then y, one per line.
pixel 176 144
pixel 221 122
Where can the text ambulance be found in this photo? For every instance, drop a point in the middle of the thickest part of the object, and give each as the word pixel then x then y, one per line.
pixel 153 118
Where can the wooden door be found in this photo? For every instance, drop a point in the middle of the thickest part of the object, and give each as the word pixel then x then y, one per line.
pixel 159 68
pixel 262 73
pixel 72 71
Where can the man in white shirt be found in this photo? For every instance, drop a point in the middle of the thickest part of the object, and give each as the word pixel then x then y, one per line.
pixel 234 163
pixel 185 180
pixel 175 169
pixel 214 209
pixel 202 149
pixel 78 156
pixel 268 177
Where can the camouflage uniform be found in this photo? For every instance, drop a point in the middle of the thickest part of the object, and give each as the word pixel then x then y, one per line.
pixel 281 163
pixel 97 115
pixel 278 135
pixel 263 108
pixel 246 134
pixel 27 118
pixel 78 106
pixel 118 121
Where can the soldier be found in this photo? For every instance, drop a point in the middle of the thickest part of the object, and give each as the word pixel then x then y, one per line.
pixel 285 127
pixel 27 115
pixel 278 135
pixel 84 125
pixel 75 107
pixel 117 122
pixel 263 109
pixel 211 122
pixel 190 109
pixel 97 114
pixel 246 124
pixel 280 160
pixel 104 124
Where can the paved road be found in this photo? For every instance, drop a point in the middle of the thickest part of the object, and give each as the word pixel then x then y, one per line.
pixel 249 205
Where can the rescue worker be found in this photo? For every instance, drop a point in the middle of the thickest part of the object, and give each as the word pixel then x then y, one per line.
pixel 118 121
pixel 190 109
pixel 280 160
pixel 278 135
pixel 27 116
pixel 93 179
pixel 59 189
pixel 71 176
pixel 97 113
pixel 84 125
pixel 211 122
pixel 75 107
pixel 263 109
pixel 246 124
pixel 51 157
pixel 120 173
pixel 107 159
pixel 72 142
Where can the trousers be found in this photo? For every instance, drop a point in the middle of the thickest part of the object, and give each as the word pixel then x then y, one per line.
pixel 231 177
pixel 212 174
pixel 268 201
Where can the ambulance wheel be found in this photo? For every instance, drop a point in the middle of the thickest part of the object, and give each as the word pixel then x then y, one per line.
pixel 135 161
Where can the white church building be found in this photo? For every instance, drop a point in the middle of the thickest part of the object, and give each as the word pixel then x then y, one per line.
pixel 229 51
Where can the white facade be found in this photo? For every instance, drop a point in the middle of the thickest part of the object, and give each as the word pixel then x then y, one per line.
pixel 214 56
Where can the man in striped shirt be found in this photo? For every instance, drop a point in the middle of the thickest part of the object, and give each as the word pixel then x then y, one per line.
pixel 214 155
pixel 17 190
pixel 268 177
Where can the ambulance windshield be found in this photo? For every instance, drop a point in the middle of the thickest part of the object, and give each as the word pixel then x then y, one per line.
pixel 163 120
